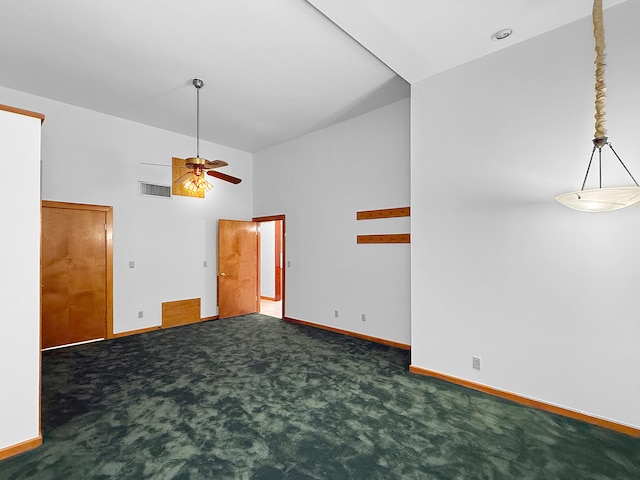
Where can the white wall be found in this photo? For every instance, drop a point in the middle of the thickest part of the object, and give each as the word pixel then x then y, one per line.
pixel 545 295
pixel 319 182
pixel 20 293
pixel 88 157
pixel 267 259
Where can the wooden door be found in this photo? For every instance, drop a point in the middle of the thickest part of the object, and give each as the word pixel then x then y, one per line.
pixel 238 286
pixel 73 275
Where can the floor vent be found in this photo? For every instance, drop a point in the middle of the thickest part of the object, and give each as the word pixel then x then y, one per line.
pixel 151 190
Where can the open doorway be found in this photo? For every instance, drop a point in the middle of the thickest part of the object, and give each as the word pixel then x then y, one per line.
pixel 272 259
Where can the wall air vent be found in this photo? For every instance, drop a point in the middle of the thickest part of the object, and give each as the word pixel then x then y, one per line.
pixel 151 190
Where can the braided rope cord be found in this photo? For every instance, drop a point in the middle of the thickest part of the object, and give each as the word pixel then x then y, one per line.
pixel 598 34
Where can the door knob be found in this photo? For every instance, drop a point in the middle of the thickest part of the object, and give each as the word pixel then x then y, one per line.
pixel 222 274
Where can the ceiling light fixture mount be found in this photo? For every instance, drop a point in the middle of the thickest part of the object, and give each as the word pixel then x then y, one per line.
pixel 600 199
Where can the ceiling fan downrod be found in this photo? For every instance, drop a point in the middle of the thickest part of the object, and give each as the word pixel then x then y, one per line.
pixel 198 84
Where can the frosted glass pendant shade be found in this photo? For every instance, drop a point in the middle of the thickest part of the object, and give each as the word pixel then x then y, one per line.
pixel 600 199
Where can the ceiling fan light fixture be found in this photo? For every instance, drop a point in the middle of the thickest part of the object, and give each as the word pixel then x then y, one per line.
pixel 197 184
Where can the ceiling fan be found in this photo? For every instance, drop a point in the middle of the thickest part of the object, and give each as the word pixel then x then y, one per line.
pixel 193 180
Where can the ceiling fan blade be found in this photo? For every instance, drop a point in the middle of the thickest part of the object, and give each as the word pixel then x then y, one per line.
pixel 209 164
pixel 224 176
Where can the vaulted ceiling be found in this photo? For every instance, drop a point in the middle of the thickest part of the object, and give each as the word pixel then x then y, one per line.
pixel 273 69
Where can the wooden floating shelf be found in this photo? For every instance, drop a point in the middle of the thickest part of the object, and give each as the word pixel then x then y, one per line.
pixel 384 213
pixel 387 238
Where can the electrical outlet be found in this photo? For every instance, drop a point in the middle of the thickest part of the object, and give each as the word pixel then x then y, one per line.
pixel 335 313
pixel 204 264
pixel 476 362
pixel 288 263
pixel 132 264
pixel 140 314
pixel 363 317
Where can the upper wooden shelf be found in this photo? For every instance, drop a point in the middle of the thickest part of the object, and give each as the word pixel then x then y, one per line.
pixel 384 213
pixel 20 111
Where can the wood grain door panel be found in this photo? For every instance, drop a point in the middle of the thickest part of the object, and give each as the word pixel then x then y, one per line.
pixel 238 286
pixel 74 271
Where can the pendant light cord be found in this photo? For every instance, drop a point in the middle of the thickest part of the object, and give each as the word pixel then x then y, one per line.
pixel 598 34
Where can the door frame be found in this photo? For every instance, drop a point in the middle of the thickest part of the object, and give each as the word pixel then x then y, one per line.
pixel 108 252
pixel 280 261
pixel 274 218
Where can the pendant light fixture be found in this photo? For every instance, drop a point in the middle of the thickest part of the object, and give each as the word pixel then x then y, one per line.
pixel 600 199
pixel 197 182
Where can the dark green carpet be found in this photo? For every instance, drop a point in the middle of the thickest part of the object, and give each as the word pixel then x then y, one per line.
pixel 257 398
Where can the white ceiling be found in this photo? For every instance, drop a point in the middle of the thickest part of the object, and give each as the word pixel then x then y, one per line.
pixel 419 38
pixel 273 69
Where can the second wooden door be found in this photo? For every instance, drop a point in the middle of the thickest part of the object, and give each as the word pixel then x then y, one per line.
pixel 238 288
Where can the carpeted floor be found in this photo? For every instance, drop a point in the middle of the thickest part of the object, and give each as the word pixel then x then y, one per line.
pixel 257 398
